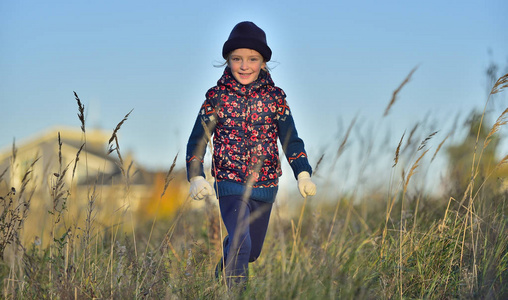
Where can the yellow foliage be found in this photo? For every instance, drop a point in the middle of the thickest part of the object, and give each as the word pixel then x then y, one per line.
pixel 164 205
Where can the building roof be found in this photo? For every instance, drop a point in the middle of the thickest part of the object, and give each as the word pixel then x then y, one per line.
pixel 88 150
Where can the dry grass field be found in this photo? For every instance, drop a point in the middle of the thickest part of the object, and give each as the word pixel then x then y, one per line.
pixel 401 242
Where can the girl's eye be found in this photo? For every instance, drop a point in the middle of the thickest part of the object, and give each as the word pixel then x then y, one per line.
pixel 235 59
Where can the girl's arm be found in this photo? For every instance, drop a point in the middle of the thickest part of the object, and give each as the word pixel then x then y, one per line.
pixel 295 151
pixel 198 140
pixel 292 145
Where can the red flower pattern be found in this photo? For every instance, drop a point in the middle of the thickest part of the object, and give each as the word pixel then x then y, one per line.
pixel 246 132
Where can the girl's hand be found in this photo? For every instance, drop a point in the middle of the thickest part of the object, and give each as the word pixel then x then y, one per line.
pixel 200 188
pixel 305 185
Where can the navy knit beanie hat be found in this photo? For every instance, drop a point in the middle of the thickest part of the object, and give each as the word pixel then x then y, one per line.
pixel 247 35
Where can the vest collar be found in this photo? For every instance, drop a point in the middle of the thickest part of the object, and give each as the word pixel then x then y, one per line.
pixel 229 81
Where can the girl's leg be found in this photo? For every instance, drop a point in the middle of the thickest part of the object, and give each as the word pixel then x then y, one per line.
pixel 235 214
pixel 259 218
pixel 246 224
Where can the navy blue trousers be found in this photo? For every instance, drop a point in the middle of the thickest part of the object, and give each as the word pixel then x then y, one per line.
pixel 246 223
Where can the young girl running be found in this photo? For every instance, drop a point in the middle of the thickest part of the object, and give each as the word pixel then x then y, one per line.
pixel 246 114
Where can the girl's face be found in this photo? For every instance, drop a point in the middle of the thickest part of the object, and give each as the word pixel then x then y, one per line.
pixel 246 64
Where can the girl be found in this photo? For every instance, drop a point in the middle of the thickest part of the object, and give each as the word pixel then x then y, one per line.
pixel 246 113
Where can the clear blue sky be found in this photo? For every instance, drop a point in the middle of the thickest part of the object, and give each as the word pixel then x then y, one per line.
pixel 335 60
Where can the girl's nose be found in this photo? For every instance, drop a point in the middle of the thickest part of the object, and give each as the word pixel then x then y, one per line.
pixel 244 65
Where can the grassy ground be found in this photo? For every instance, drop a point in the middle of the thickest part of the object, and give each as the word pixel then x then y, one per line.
pixel 401 242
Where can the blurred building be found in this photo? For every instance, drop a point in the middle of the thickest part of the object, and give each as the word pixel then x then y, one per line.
pixel 70 178
pixel 84 166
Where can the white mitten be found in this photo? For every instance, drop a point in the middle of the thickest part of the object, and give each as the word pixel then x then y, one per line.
pixel 200 188
pixel 305 184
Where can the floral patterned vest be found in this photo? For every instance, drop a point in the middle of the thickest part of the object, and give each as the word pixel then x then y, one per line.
pixel 245 134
